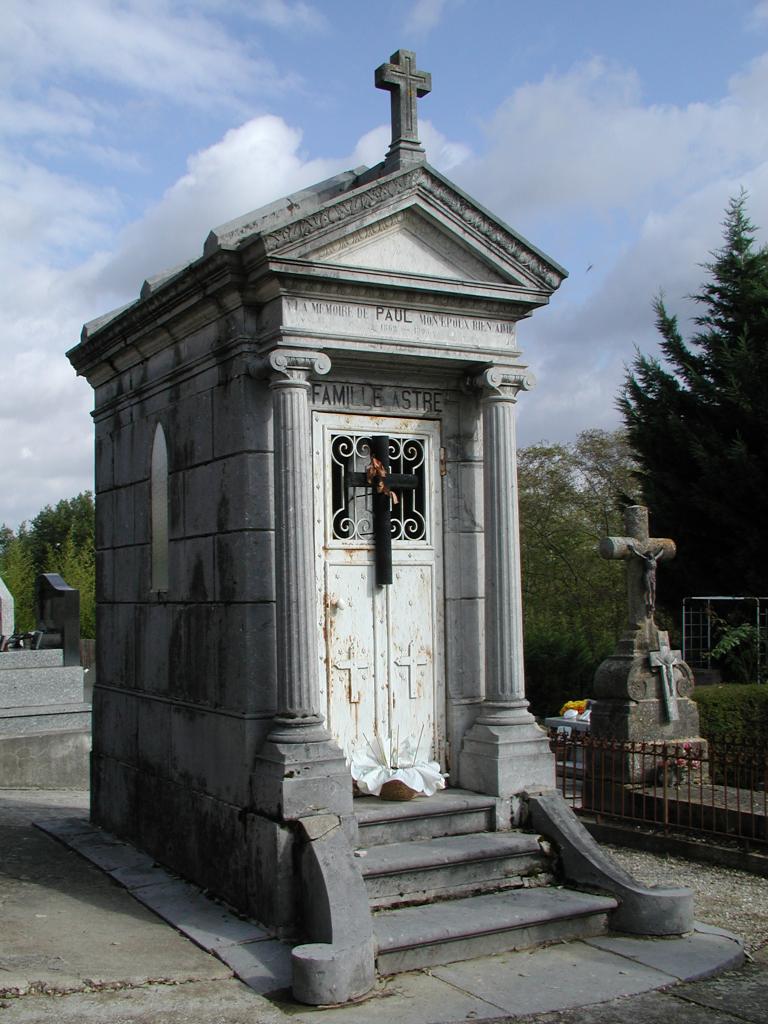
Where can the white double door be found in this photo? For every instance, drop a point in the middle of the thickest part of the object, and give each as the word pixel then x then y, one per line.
pixel 380 647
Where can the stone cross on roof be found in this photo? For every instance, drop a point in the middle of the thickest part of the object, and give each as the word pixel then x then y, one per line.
pixel 405 84
pixel 643 553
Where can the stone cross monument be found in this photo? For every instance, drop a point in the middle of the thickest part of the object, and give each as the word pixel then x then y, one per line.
pixel 643 690
pixel 642 554
pixel 405 85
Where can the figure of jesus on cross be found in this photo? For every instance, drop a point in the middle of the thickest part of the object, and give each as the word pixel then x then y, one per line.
pixel 649 559
pixel 643 553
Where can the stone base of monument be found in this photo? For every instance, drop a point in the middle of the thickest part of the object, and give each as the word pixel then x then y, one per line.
pixel 45 723
pixel 645 712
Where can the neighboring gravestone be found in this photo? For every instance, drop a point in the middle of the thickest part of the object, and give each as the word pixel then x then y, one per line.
pixel 6 611
pixel 307 523
pixel 58 615
pixel 45 722
pixel 643 690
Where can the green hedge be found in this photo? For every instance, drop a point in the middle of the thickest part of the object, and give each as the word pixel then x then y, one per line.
pixel 734 713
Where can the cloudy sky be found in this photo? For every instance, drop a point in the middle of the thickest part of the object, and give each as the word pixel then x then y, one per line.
pixel 611 134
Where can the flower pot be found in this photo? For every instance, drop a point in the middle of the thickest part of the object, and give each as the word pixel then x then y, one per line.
pixel 394 789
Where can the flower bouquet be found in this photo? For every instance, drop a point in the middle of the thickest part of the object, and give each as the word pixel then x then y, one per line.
pixel 392 771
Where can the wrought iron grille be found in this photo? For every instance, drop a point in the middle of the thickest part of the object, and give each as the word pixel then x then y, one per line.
pixel 352 515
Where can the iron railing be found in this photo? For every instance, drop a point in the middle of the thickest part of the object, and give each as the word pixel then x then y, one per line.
pixel 676 787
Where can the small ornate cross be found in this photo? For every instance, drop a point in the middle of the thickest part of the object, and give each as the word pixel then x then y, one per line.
pixel 352 665
pixel 665 660
pixel 410 662
pixel 643 553
pixel 404 84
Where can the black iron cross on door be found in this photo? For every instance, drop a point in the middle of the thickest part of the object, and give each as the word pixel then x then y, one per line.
pixel 382 482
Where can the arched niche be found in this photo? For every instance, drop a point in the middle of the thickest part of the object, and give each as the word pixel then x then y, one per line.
pixel 159 514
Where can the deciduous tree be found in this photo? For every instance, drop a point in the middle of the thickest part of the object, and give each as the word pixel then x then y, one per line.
pixel 574 602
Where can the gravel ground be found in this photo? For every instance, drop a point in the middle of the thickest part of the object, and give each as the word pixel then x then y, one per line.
pixel 736 900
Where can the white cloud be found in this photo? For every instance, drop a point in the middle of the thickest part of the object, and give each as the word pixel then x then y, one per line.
pixel 442 153
pixel 162 48
pixel 252 165
pixel 284 15
pixel 586 139
pixel 424 16
pixel 580 352
pixel 638 190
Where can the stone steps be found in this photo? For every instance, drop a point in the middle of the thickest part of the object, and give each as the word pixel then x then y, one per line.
pixel 441 933
pixel 443 885
pixel 451 812
pixel 449 866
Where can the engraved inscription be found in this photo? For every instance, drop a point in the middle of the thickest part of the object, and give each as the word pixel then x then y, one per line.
pixel 340 395
pixel 386 319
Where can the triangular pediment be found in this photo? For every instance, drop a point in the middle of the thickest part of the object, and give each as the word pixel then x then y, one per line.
pixel 406 242
pixel 417 224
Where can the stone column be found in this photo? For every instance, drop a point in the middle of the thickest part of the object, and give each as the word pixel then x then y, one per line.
pixel 298 687
pixel 299 770
pixel 505 752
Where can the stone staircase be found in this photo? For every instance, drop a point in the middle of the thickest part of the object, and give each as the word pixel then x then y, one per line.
pixel 444 886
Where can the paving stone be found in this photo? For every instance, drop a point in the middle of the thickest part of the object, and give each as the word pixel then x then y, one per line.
pixel 139 876
pixel 108 853
pixel 744 993
pixel 687 958
pixel 66 827
pixel 208 924
pixel 264 966
pixel 651 1008
pixel 566 975
pixel 406 999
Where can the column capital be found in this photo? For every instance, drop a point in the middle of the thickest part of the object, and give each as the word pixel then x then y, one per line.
pixel 290 366
pixel 501 382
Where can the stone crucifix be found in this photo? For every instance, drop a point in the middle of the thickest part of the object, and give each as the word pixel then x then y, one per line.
pixel 642 553
pixel 405 85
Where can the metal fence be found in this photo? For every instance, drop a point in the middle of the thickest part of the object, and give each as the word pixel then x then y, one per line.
pixel 703 619
pixel 676 787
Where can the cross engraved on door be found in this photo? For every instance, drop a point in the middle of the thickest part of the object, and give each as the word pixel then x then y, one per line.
pixel 410 662
pixel 353 666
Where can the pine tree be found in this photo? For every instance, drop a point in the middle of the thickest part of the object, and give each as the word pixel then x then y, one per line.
pixel 698 424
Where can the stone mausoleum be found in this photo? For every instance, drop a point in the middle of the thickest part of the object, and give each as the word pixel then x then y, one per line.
pixel 261 612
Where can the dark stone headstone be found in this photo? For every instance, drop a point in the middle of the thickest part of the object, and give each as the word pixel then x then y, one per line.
pixel 58 615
